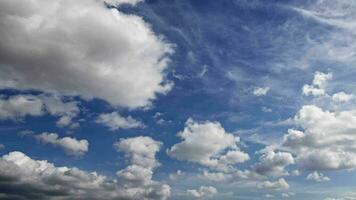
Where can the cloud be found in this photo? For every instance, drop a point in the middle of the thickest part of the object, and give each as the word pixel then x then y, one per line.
pixel 318 177
pixel 81 48
pixel 317 88
pixel 208 144
pixel 287 194
pixel 17 107
pixel 178 174
pixel 140 150
pixel 24 178
pixel 203 192
pixel 342 97
pixel 327 140
pixel 233 176
pixel 141 154
pixel 269 196
pixel 273 163
pixel 279 184
pixel 115 121
pixel 346 196
pixel 71 146
pixel 260 91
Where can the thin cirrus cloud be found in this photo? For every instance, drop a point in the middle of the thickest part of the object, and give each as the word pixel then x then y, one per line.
pixel 86 48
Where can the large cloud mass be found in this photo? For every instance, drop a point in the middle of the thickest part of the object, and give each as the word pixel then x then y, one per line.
pixel 24 178
pixel 327 141
pixel 81 48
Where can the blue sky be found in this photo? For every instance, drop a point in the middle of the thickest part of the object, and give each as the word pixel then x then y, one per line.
pixel 168 99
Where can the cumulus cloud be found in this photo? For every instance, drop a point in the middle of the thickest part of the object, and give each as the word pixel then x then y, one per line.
pixel 17 107
pixel 24 178
pixel 273 163
pixel 71 146
pixel 115 121
pixel 287 194
pixel 233 176
pixel 260 91
pixel 342 97
pixel 279 184
pixel 318 177
pixel 208 144
pixel 326 141
pixel 140 150
pixel 203 192
pixel 317 88
pixel 81 48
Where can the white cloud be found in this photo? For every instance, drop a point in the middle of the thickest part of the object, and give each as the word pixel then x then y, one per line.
pixel 260 91
pixel 81 48
pixel 141 154
pixel 178 174
pixel 327 141
pixel 19 106
pixel 273 163
pixel 140 150
pixel 295 173
pixel 279 184
pixel 207 143
pixel 318 177
pixel 269 196
pixel 71 146
pixel 234 176
pixel 28 179
pixel 203 192
pixel 346 196
pixel 115 121
pixel 318 86
pixel 342 97
pixel 288 194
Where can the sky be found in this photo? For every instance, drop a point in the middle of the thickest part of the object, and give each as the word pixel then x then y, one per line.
pixel 177 99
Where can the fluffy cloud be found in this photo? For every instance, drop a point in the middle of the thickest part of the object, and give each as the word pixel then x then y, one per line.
pixel 273 163
pixel 317 88
pixel 327 141
pixel 207 143
pixel 115 121
pixel 81 48
pixel 234 176
pixel 260 91
pixel 279 184
pixel 24 178
pixel 70 145
pixel 288 194
pixel 140 152
pixel 203 192
pixel 342 97
pixel 19 106
pixel 318 177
